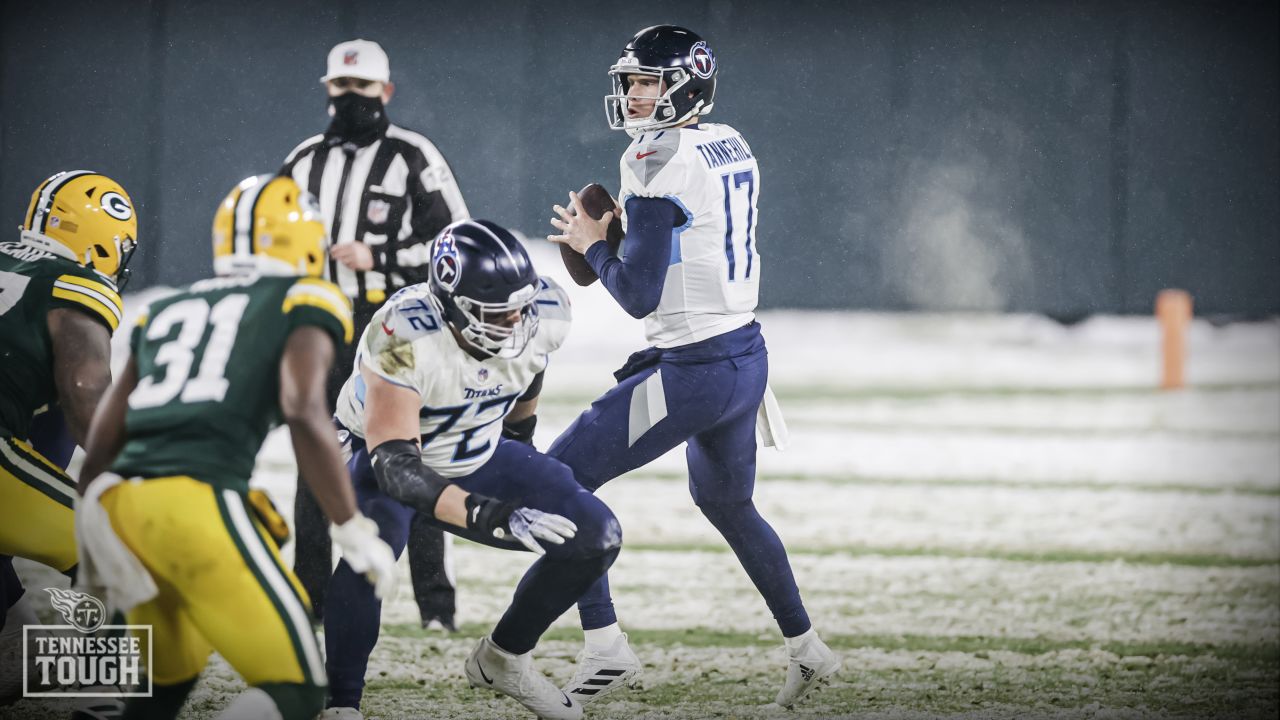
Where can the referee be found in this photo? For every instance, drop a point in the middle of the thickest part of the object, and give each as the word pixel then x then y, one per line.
pixel 385 192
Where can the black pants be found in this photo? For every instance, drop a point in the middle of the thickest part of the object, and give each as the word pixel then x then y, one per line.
pixel 313 550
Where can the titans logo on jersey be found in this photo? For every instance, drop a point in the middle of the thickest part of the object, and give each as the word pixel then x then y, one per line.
pixel 713 275
pixel 463 399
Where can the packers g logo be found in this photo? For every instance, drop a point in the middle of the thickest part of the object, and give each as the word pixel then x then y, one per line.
pixel 444 263
pixel 114 204
pixel 702 61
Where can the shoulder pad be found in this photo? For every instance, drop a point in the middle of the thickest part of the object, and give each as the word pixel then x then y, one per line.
pixel 322 294
pixel 552 300
pixel 410 314
pixel 95 295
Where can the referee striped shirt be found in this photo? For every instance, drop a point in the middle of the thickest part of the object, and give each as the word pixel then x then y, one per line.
pixel 394 195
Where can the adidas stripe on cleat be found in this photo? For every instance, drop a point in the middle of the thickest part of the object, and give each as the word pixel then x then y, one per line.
pixel 810 664
pixel 601 673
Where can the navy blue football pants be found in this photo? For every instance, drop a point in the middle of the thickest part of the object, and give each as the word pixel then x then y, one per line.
pixel 705 394
pixel 515 473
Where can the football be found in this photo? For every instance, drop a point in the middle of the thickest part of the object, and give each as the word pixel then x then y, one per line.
pixel 596 201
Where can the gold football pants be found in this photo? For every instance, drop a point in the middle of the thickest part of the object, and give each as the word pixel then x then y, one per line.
pixel 222 584
pixel 37 521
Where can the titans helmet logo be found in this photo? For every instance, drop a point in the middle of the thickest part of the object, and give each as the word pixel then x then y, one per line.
pixel 444 262
pixel 702 61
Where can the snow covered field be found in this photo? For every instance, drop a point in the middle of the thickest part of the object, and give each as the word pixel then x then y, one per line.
pixel 989 516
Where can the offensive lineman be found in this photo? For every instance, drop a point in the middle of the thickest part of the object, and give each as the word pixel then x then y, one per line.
pixel 446 373
pixel 690 268
pixel 59 304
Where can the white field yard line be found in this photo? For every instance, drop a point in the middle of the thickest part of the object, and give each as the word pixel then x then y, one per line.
pixel 1254 411
pixel 925 596
pixel 829 515
pixel 954 520
pixel 1147 459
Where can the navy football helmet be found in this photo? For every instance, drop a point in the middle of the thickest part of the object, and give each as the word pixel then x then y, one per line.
pixel 481 277
pixel 683 63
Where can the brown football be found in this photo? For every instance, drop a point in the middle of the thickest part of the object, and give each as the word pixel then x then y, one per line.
pixel 596 201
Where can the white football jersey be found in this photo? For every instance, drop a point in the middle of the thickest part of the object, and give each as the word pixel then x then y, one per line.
pixel 713 275
pixel 463 399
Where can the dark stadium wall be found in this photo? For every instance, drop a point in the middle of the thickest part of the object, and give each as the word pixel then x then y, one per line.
pixel 1063 158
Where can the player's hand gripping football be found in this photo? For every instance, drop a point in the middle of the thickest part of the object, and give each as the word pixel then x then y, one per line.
pixel 580 230
pixel 498 519
pixel 366 553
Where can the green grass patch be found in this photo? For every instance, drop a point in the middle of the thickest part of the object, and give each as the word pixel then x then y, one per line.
pixel 702 637
pixel 1046 556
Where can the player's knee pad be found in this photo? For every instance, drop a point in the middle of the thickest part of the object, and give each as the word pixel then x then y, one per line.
pixel 302 701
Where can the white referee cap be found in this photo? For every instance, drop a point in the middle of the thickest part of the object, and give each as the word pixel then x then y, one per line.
pixel 364 59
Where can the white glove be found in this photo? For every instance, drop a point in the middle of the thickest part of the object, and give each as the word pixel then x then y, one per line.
pixel 529 526
pixel 357 539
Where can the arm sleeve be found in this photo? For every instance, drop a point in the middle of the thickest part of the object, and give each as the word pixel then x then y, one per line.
pixel 635 280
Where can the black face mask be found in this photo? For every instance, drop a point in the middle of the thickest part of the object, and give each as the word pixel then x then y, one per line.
pixel 356 118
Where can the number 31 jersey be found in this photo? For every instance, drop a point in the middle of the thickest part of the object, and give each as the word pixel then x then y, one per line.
pixel 464 399
pixel 713 274
pixel 209 373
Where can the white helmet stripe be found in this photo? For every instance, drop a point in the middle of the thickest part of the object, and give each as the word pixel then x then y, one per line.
pixel 243 217
pixel 45 203
pixel 496 239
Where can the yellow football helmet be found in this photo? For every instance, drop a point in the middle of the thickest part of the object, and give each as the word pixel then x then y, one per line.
pixel 269 225
pixel 85 217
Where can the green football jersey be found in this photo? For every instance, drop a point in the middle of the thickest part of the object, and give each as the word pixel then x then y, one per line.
pixel 209 373
pixel 33 282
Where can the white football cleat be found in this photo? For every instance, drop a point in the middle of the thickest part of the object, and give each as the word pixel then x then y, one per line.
pixel 341 713
pixel 811 662
pixel 600 673
pixel 492 668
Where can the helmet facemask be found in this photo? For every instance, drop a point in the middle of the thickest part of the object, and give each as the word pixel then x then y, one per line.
pixel 484 325
pixel 671 106
pixel 124 251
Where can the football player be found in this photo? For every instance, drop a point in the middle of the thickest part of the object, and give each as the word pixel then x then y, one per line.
pixel 59 304
pixel 445 389
pixel 212 369
pixel 691 269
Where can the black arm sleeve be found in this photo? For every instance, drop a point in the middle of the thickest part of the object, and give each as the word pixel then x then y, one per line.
pixel 397 465
pixel 535 388
pixel 636 279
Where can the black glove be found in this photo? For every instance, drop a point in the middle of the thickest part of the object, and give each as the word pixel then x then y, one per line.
pixel 488 516
pixel 497 519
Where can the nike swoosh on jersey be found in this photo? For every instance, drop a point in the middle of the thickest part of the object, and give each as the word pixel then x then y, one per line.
pixel 643 155
pixel 567 701
pixel 386 329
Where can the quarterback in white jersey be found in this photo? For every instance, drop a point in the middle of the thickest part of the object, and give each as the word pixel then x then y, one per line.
pixel 713 272
pixel 447 379
pixel 689 266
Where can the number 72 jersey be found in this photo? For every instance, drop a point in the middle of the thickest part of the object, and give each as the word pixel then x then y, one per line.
pixel 208 362
pixel 713 272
